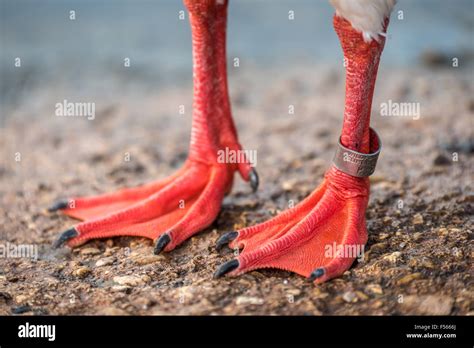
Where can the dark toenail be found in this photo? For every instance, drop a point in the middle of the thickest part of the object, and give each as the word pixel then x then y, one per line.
pixel 226 268
pixel 162 243
pixel 317 273
pixel 65 236
pixel 226 239
pixel 254 179
pixel 58 205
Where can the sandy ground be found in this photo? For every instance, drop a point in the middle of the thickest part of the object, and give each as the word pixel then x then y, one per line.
pixel 418 257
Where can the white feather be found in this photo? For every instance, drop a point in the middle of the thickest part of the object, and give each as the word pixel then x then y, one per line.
pixel 366 16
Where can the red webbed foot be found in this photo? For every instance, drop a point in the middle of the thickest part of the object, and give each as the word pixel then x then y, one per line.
pixel 174 208
pixel 311 239
pixel 171 210
pixel 321 237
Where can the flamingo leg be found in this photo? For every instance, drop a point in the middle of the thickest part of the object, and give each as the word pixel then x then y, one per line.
pixel 172 209
pixel 322 236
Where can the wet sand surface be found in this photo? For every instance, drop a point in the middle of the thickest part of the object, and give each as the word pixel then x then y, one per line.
pixel 418 257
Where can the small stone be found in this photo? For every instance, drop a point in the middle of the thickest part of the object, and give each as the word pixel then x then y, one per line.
pixel 387 220
pixel 349 297
pixel 21 299
pixel 441 160
pixel 90 251
pixel 81 272
pixel 443 231
pixel 417 236
pixel 288 185
pixel 377 304
pixel 147 259
pixel 129 280
pixel 383 236
pixel 408 278
pixel 120 288
pixel 417 219
pixel 293 292
pixel 247 300
pixel 110 251
pixel 21 309
pixel 393 257
pixel 374 289
pixel 457 253
pixel 378 247
pixel 361 296
pixel 143 303
pixel 146 278
pixel 105 261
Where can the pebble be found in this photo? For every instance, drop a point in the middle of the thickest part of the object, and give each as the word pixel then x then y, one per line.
pixel 129 280
pixel 374 289
pixel 21 309
pixel 417 219
pixel 81 272
pixel 120 288
pixel 441 160
pixel 288 185
pixel 393 257
pixel 457 253
pixel 443 231
pixel 89 251
pixel 349 297
pixel 105 261
pixel 377 304
pixel 147 259
pixel 417 236
pixel 383 236
pixel 293 292
pixel 246 300
pixel 362 296
pixel 378 247
pixel 408 278
pixel 21 299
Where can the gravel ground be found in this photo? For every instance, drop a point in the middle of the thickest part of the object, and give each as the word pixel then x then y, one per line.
pixel 418 257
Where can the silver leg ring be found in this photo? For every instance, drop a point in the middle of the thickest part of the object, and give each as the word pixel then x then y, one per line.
pixel 356 163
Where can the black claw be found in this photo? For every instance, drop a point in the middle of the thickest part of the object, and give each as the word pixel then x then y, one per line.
pixel 317 273
pixel 58 205
pixel 253 179
pixel 226 268
pixel 225 239
pixel 65 236
pixel 162 243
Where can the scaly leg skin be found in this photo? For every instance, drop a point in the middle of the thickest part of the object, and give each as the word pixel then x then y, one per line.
pixel 171 210
pixel 302 239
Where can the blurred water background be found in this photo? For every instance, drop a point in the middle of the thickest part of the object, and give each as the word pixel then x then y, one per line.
pixel 57 52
